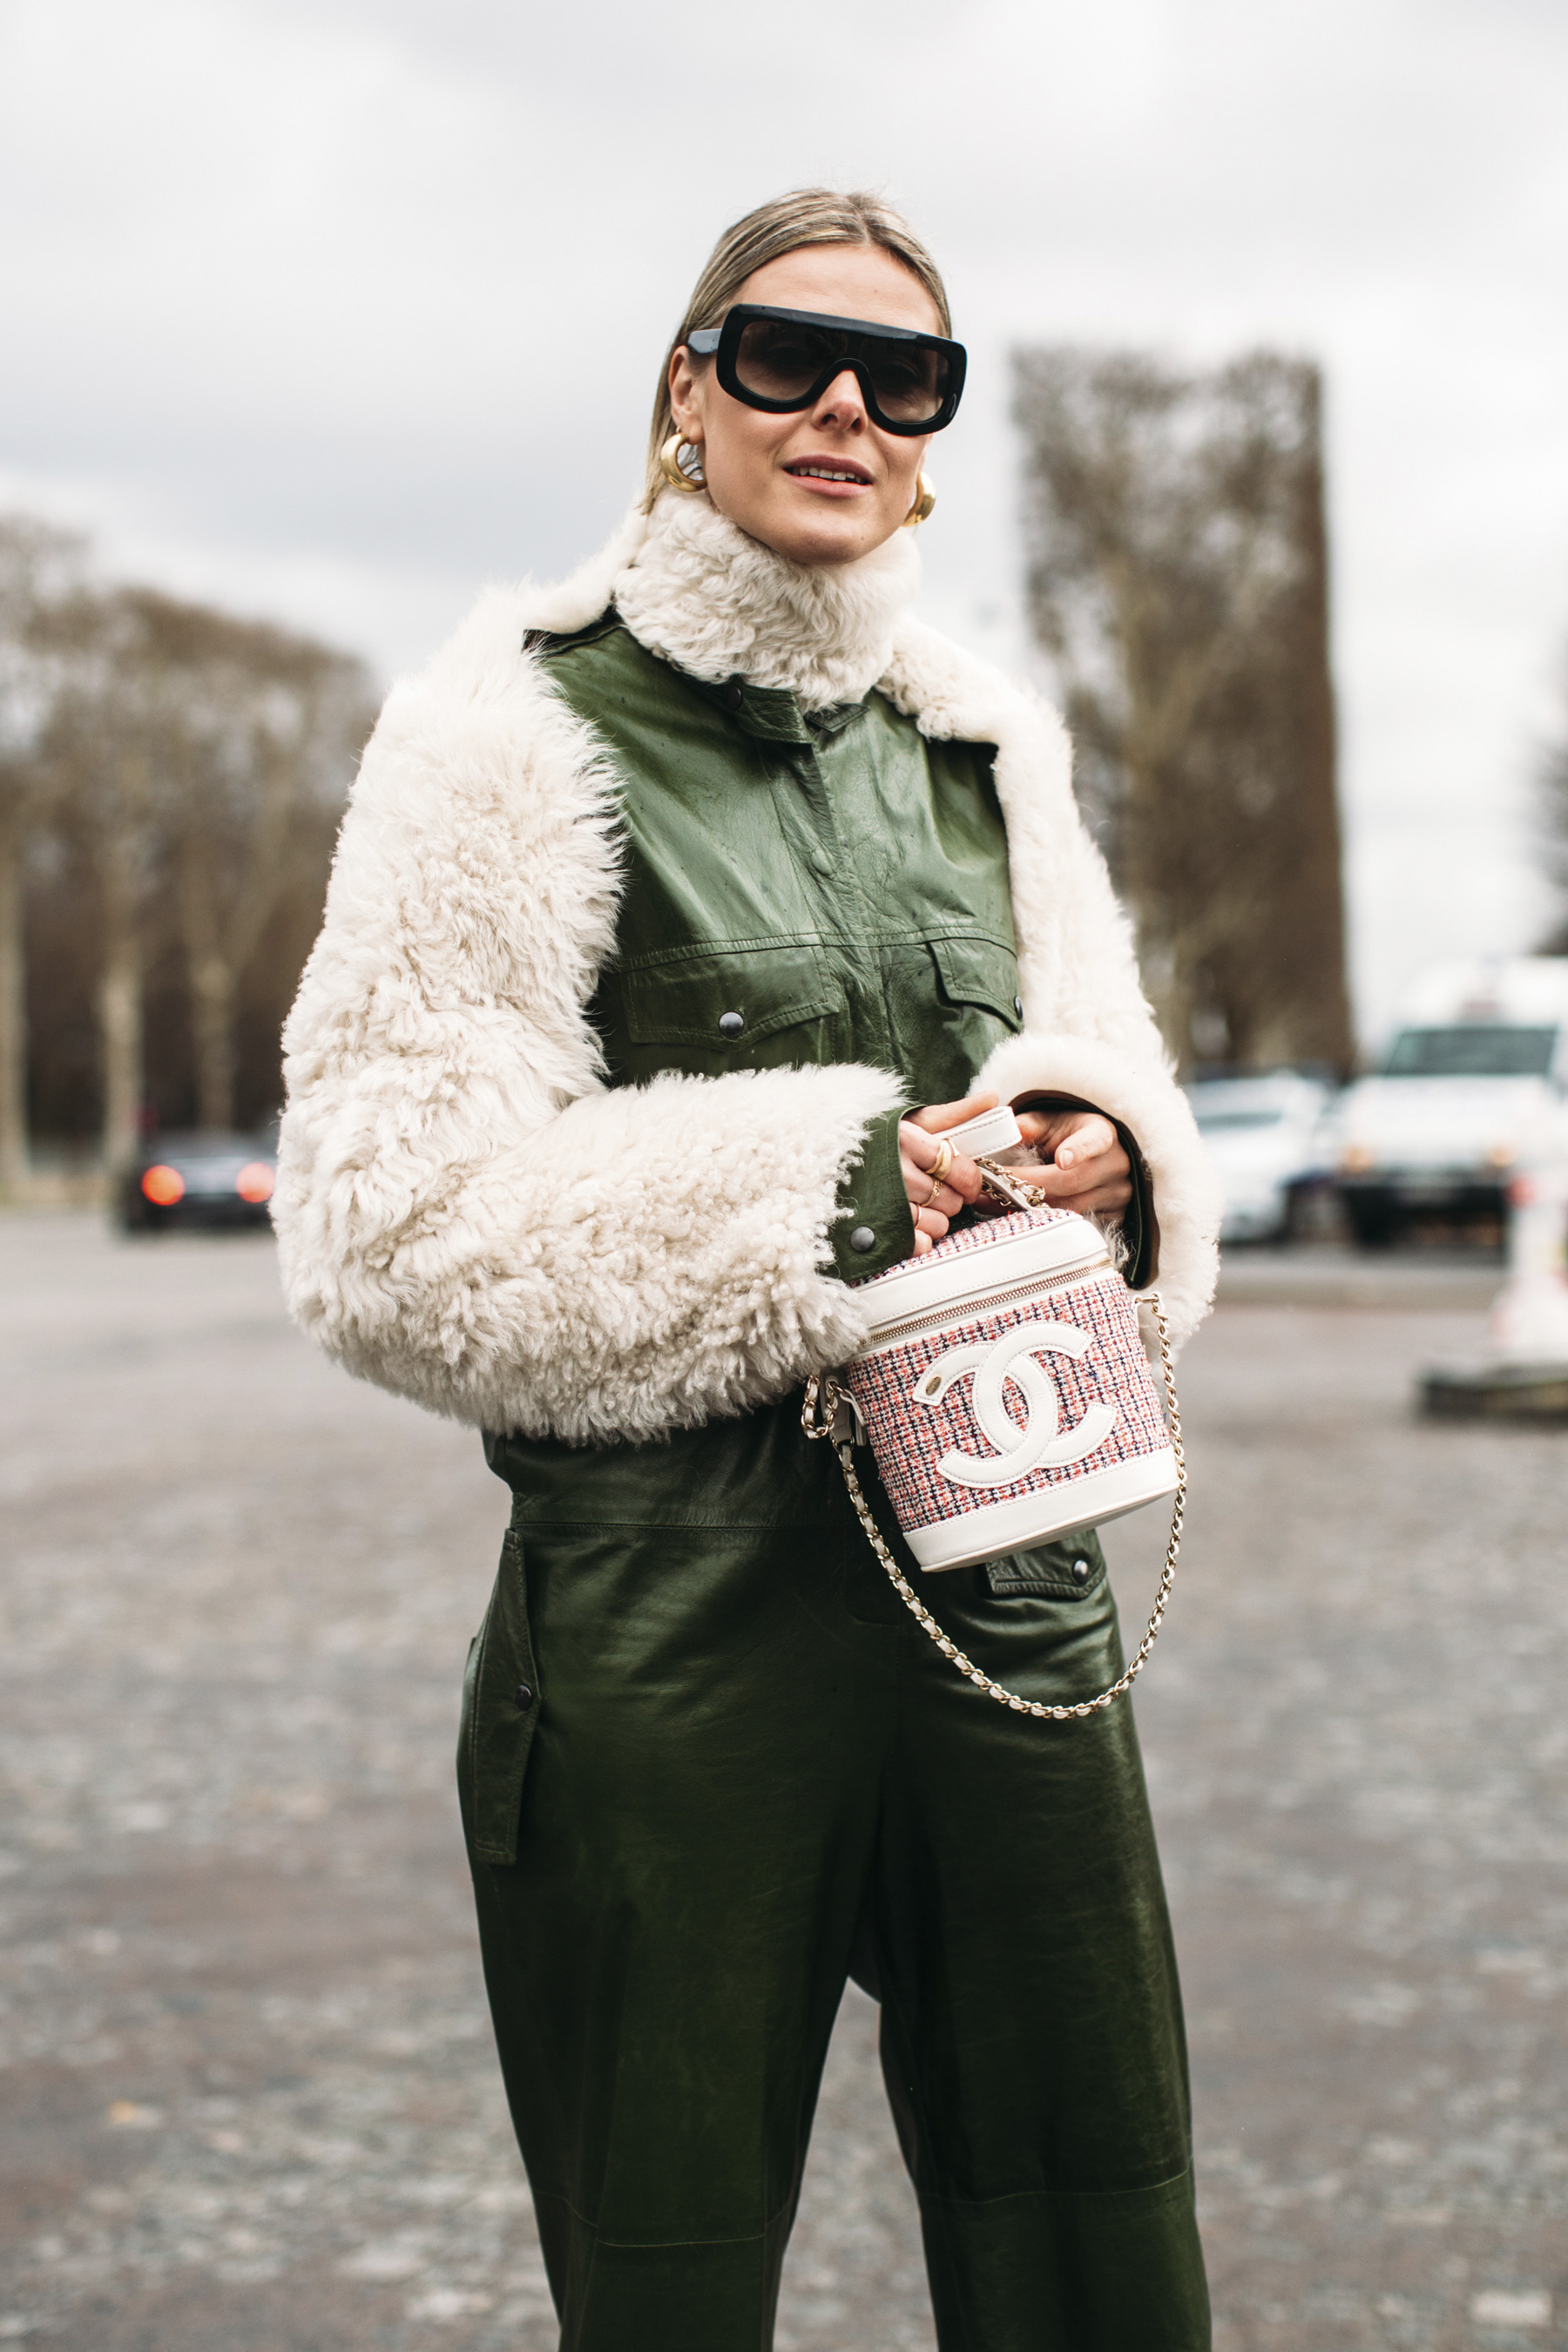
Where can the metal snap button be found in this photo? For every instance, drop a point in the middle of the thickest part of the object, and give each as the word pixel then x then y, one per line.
pixel 821 860
pixel 524 1696
pixel 862 1239
pixel 1080 1571
pixel 730 1024
pixel 1019 1006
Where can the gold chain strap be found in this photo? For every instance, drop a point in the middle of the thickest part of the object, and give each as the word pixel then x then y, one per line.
pixel 818 1414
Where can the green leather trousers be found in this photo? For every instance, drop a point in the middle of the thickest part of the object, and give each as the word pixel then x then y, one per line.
pixel 710 1766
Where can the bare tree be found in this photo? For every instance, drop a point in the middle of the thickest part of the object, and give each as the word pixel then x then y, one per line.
pixel 37 573
pixel 1551 815
pixel 1178 583
pixel 265 725
pixel 170 783
pixel 194 748
pixel 112 735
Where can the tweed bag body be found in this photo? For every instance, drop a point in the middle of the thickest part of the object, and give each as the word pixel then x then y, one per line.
pixel 1006 1391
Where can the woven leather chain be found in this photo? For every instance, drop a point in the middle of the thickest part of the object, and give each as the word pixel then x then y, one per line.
pixel 818 1414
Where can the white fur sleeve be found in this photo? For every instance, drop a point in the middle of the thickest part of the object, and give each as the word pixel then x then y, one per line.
pixel 466 1215
pixel 1103 1045
pixel 1089 1030
pixel 1146 1099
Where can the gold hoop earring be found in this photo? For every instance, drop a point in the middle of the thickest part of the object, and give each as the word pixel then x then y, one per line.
pixel 925 500
pixel 674 472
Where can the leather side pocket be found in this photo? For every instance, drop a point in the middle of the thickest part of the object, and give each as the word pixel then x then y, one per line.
pixel 1068 1569
pixel 500 1712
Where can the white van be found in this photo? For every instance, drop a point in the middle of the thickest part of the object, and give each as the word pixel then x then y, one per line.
pixel 1263 1136
pixel 1473 1082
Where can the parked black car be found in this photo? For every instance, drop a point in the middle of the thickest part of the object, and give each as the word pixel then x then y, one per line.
pixel 206 1179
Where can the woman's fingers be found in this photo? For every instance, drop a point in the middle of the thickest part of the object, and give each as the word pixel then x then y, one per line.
pixel 1067 1192
pixel 920 1154
pixel 1106 1199
pixel 1104 1183
pixel 1084 1167
pixel 1081 1143
pixel 920 1150
pixel 1078 1135
pixel 1092 1138
pixel 949 1195
pixel 936 1116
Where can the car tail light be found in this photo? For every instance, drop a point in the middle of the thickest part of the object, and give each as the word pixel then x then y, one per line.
pixel 254 1182
pixel 162 1186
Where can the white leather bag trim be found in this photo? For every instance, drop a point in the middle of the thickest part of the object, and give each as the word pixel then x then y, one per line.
pixel 963 1283
pixel 1016 1523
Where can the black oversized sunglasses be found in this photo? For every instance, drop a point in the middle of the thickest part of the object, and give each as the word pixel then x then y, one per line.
pixel 783 360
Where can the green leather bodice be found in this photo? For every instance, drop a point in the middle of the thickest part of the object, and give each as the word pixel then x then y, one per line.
pixel 798 891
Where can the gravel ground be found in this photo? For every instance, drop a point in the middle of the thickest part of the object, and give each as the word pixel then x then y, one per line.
pixel 247 2096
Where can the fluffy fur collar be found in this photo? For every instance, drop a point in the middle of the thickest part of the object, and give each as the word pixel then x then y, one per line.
pixel 703 594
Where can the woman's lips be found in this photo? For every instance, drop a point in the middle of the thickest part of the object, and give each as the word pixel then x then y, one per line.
pixel 837 478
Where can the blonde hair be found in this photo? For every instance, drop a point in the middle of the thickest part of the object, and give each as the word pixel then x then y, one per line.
pixel 805 216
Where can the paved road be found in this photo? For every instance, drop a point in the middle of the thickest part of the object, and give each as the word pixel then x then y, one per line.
pixel 248 2098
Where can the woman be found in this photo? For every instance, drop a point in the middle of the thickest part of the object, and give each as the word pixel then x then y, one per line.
pixel 663 896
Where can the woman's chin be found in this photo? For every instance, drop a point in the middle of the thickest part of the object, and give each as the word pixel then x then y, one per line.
pixel 821 531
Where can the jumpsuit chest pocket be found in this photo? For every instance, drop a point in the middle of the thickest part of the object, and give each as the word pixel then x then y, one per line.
pixel 707 1010
pixel 979 975
pixel 973 1006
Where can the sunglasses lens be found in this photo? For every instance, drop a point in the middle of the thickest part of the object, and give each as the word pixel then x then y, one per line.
pixel 779 359
pixel 909 382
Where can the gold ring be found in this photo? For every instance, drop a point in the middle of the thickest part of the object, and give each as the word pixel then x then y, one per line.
pixel 943 1163
pixel 935 1189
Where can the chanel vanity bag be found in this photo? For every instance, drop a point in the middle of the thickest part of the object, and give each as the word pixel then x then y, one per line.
pixel 1006 1397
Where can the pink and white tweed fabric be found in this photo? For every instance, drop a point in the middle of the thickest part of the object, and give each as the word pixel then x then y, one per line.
pixel 1004 1419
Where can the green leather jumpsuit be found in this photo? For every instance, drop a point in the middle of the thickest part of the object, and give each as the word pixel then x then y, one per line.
pixel 710 1766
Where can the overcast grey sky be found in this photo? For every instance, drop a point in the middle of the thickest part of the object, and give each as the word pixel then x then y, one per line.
pixel 333 309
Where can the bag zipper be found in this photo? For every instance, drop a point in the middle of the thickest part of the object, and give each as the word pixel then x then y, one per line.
pixel 965 1310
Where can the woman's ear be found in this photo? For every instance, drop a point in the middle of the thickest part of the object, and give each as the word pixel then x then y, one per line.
pixel 685 387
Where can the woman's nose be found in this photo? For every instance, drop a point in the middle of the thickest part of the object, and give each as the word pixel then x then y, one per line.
pixel 841 402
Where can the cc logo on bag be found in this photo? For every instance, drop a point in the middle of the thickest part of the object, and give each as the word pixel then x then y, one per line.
pixel 1041 1440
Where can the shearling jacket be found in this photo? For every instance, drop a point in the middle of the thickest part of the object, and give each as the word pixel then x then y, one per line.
pixel 533 1174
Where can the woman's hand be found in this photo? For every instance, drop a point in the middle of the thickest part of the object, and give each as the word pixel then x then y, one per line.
pixel 1083 1167
pixel 920 1149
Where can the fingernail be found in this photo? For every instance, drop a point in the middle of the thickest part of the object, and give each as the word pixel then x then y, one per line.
pixel 1064 1158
